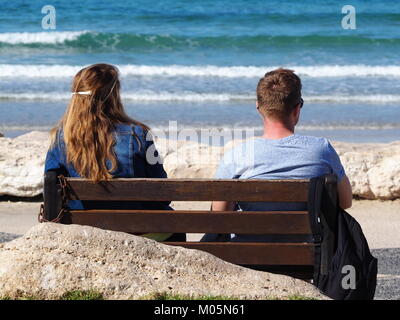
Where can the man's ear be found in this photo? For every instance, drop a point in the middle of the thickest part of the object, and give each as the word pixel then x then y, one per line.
pixel 296 111
pixel 259 112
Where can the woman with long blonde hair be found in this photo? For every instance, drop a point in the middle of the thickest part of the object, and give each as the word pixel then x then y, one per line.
pixel 97 140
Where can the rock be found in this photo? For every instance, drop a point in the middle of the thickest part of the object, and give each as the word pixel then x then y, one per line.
pixel 52 259
pixel 373 169
pixel 21 164
pixel 1 135
pixel 192 160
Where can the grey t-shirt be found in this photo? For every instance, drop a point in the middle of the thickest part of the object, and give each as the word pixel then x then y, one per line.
pixel 292 157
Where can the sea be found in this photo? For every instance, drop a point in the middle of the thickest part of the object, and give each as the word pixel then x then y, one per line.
pixel 197 63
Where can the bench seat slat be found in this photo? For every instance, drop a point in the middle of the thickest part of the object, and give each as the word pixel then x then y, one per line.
pixel 301 254
pixel 190 190
pixel 141 221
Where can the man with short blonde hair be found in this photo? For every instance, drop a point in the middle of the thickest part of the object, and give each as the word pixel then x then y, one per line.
pixel 280 153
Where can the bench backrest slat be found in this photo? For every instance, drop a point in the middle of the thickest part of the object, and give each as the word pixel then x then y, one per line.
pixel 136 221
pixel 189 190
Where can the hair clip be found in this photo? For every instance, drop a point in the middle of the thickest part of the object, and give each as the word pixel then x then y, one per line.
pixel 82 92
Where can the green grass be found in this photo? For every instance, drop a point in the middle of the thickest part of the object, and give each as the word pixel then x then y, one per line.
pixel 19 298
pixel 70 295
pixel 82 295
pixel 95 295
pixel 295 297
pixel 168 296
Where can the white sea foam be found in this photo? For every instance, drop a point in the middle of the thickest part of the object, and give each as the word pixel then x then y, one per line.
pixel 62 71
pixel 162 128
pixel 376 98
pixel 144 96
pixel 40 37
pixel 149 96
pixel 252 71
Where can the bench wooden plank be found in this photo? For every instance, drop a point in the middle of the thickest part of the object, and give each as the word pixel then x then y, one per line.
pixel 297 255
pixel 141 221
pixel 300 254
pixel 189 190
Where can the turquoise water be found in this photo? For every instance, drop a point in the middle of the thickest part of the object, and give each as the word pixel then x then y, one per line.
pixel 198 62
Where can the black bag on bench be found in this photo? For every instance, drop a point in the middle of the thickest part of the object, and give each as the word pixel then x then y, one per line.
pixel 352 253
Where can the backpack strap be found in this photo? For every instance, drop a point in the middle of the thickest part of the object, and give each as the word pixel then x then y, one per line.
pixel 323 212
pixel 314 205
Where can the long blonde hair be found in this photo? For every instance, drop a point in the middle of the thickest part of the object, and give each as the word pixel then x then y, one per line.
pixel 89 121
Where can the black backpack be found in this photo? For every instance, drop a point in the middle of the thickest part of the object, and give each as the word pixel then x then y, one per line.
pixel 352 258
pixel 350 272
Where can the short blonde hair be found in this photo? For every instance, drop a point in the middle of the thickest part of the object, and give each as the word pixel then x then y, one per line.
pixel 278 92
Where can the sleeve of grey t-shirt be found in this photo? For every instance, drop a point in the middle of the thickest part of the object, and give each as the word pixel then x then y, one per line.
pixel 226 167
pixel 333 160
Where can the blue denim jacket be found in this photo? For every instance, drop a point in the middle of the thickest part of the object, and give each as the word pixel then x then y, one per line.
pixel 130 151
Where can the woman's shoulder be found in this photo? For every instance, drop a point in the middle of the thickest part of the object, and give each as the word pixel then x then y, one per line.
pixel 123 128
pixel 128 128
pixel 57 137
pixel 140 133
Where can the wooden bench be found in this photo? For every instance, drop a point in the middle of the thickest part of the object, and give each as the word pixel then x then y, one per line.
pixel 307 260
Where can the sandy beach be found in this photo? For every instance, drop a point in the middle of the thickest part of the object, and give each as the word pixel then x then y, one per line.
pixel 372 168
pixel 380 221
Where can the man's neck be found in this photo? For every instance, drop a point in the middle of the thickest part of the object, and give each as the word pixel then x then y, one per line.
pixel 277 130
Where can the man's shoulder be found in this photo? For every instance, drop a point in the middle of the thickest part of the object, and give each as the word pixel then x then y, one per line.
pixel 295 139
pixel 242 146
pixel 255 146
pixel 310 140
